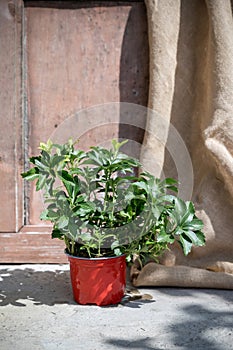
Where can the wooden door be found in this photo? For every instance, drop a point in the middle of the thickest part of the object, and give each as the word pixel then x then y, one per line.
pixel 60 58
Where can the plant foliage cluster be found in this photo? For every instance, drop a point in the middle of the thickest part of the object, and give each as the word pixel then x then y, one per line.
pixel 99 207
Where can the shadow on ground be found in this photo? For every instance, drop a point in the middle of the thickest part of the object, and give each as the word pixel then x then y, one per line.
pixel 141 343
pixel 42 287
pixel 48 288
pixel 188 319
pixel 204 328
pixel 196 326
pixel 225 294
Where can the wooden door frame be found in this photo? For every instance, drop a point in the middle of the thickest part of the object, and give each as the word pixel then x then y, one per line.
pixel 19 243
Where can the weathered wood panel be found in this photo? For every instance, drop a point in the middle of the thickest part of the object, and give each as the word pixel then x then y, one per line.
pixel 31 246
pixel 11 207
pixel 75 55
pixel 80 56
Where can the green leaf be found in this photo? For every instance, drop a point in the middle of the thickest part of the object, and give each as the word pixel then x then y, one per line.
pixel 56 159
pixel 196 224
pixel 46 146
pixel 73 229
pixel 179 230
pixel 62 222
pixel 201 238
pixel 41 164
pixel 168 198
pixel 156 210
pixel 81 198
pixel 45 155
pixel 41 182
pixel 68 181
pixel 31 174
pixel 43 215
pixel 65 176
pixel 51 215
pixel 86 237
pixel 173 188
pixel 51 206
pixel 117 252
pixel 85 208
pixel 117 145
pixel 96 155
pixel 56 233
pixel 188 216
pixel 115 244
pixel 196 239
pixel 163 237
pixel 33 159
pixel 141 184
pixel 180 207
pixel 186 244
pixel 170 181
pixel 61 196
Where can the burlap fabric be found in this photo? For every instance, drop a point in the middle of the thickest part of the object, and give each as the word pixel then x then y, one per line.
pixel 191 85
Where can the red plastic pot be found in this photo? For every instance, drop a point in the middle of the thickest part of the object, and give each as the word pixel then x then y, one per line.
pixel 99 281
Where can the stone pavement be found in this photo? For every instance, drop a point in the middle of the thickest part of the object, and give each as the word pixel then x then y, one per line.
pixel 37 312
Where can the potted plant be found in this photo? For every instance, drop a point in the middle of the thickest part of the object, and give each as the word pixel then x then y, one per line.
pixel 107 215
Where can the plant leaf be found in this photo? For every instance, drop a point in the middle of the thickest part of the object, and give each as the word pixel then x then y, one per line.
pixel 56 233
pixel 41 182
pixel 31 174
pixel 196 239
pixel 196 224
pixel 62 222
pixel 186 244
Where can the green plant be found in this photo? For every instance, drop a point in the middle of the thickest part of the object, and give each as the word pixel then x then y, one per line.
pixel 99 207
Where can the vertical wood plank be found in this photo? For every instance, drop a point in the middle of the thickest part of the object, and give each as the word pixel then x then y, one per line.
pixel 91 54
pixel 11 208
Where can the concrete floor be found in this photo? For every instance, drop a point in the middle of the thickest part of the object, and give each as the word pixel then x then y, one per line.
pixel 37 312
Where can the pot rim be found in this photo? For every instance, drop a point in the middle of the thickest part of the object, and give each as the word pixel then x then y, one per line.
pixel 95 259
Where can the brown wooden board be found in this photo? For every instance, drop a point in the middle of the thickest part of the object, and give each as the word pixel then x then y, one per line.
pixel 31 247
pixel 56 61
pixel 11 153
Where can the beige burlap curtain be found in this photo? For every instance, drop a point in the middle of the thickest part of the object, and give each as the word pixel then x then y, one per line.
pixel 191 86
